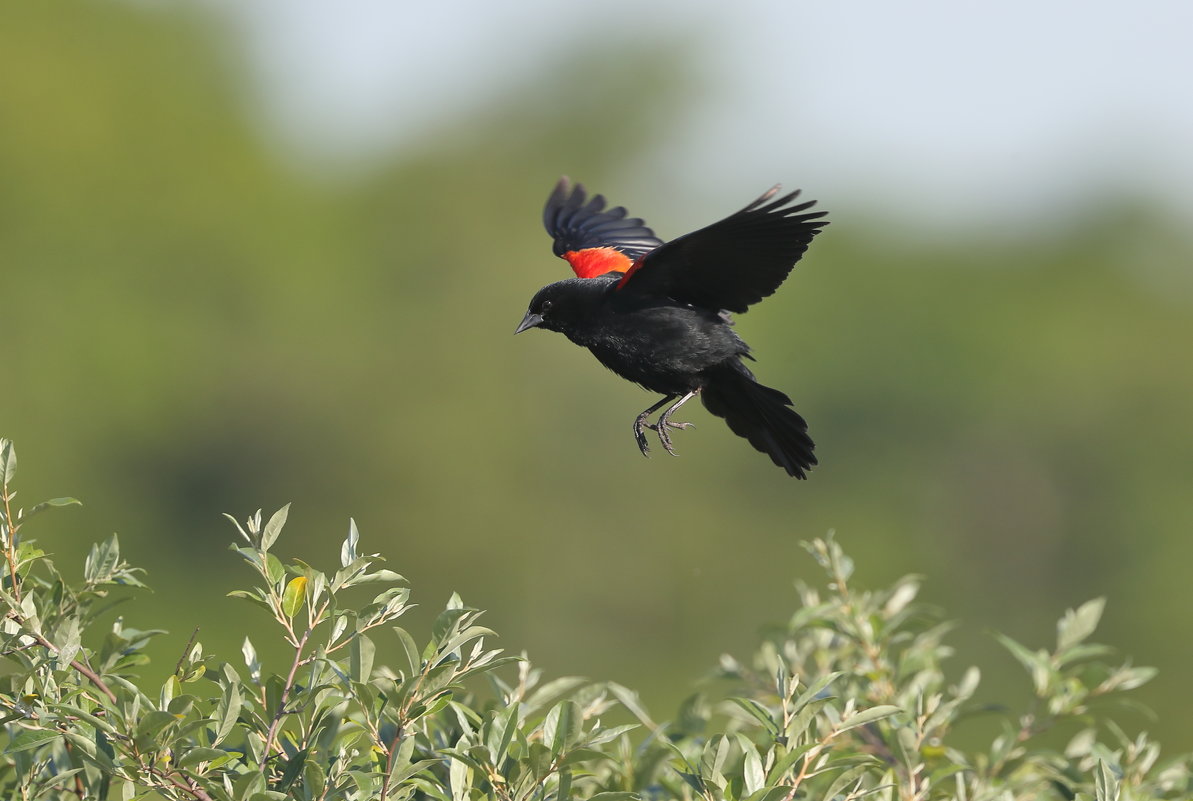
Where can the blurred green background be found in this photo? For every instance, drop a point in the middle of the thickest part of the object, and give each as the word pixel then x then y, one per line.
pixel 201 316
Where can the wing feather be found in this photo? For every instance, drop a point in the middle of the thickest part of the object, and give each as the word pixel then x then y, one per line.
pixel 733 263
pixel 577 223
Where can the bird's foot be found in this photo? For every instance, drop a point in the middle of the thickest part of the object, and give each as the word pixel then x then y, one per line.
pixel 664 422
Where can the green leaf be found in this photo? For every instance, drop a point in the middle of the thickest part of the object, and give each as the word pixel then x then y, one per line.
pixel 67 642
pixel 27 553
pixel 315 779
pixel 8 462
pixel 712 760
pixel 53 502
pixel 773 794
pixel 1037 662
pixel 446 624
pixel 785 764
pixel 1079 623
pixel 366 783
pixel 384 574
pixel 1106 782
pixel 813 690
pixel 248 785
pixel 348 549
pixel 95 721
pixel 437 703
pixel 759 713
pixel 629 699
pixel 250 660
pixel 404 774
pixel 553 690
pixel 194 756
pixel 539 760
pixel 275 571
pixel 274 527
pixel 102 560
pixel 845 779
pixel 1082 652
pixel 360 658
pixel 227 712
pixel 457 642
pixel 152 723
pixel 31 738
pixel 866 716
pixel 501 731
pixel 253 596
pixel 459 777
pixel 1128 678
pixel 96 751
pixel 410 647
pixel 753 776
pixel 562 726
pixel 170 689
pixel 59 779
pixel 293 769
pixel 239 529
pixel 317 586
pixel 607 735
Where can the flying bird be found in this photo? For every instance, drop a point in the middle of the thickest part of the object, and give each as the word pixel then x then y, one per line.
pixel 658 313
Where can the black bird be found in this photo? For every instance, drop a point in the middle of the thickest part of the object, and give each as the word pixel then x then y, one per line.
pixel 658 313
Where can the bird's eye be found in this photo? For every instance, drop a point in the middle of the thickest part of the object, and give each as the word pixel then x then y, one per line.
pixel 546 306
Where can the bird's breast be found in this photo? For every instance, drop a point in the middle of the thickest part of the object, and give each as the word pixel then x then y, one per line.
pixel 663 348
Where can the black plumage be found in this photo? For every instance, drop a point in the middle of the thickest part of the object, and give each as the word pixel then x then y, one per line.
pixel 661 322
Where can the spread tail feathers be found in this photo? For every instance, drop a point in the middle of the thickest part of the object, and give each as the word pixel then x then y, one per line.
pixel 763 416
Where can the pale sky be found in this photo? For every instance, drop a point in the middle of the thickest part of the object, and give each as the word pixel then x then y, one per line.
pixel 941 111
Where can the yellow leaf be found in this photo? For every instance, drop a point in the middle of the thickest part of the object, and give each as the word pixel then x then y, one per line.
pixel 294 595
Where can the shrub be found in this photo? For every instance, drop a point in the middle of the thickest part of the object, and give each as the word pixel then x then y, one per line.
pixel 847 700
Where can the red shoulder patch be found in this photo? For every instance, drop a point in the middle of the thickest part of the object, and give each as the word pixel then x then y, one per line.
pixel 591 262
pixel 633 269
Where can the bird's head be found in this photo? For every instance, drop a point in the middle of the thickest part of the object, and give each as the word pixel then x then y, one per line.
pixel 563 305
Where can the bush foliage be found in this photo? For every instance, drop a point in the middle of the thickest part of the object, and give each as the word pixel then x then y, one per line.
pixel 848 699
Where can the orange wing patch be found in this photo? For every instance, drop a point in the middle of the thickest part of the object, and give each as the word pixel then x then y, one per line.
pixel 591 262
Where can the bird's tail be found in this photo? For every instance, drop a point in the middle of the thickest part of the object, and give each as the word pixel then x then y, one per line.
pixel 762 415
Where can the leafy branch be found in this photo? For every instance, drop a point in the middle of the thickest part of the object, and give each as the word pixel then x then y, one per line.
pixel 849 698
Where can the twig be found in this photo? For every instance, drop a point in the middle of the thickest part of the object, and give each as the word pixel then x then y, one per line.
pixel 811 754
pixel 78 666
pixel 11 554
pixel 189 786
pixel 186 650
pixel 277 716
pixel 78 790
pixel 392 750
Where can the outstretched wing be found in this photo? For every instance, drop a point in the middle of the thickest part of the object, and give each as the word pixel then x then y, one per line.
pixel 593 239
pixel 733 263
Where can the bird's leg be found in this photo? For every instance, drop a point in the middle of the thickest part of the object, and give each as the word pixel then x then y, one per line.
pixel 640 423
pixel 664 422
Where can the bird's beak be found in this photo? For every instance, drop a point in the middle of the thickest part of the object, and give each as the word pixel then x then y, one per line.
pixel 529 321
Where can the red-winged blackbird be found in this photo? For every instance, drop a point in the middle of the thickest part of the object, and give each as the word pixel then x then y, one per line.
pixel 658 314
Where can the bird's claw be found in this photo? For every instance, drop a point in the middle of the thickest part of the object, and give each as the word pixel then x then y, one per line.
pixel 664 438
pixel 640 435
pixel 661 427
